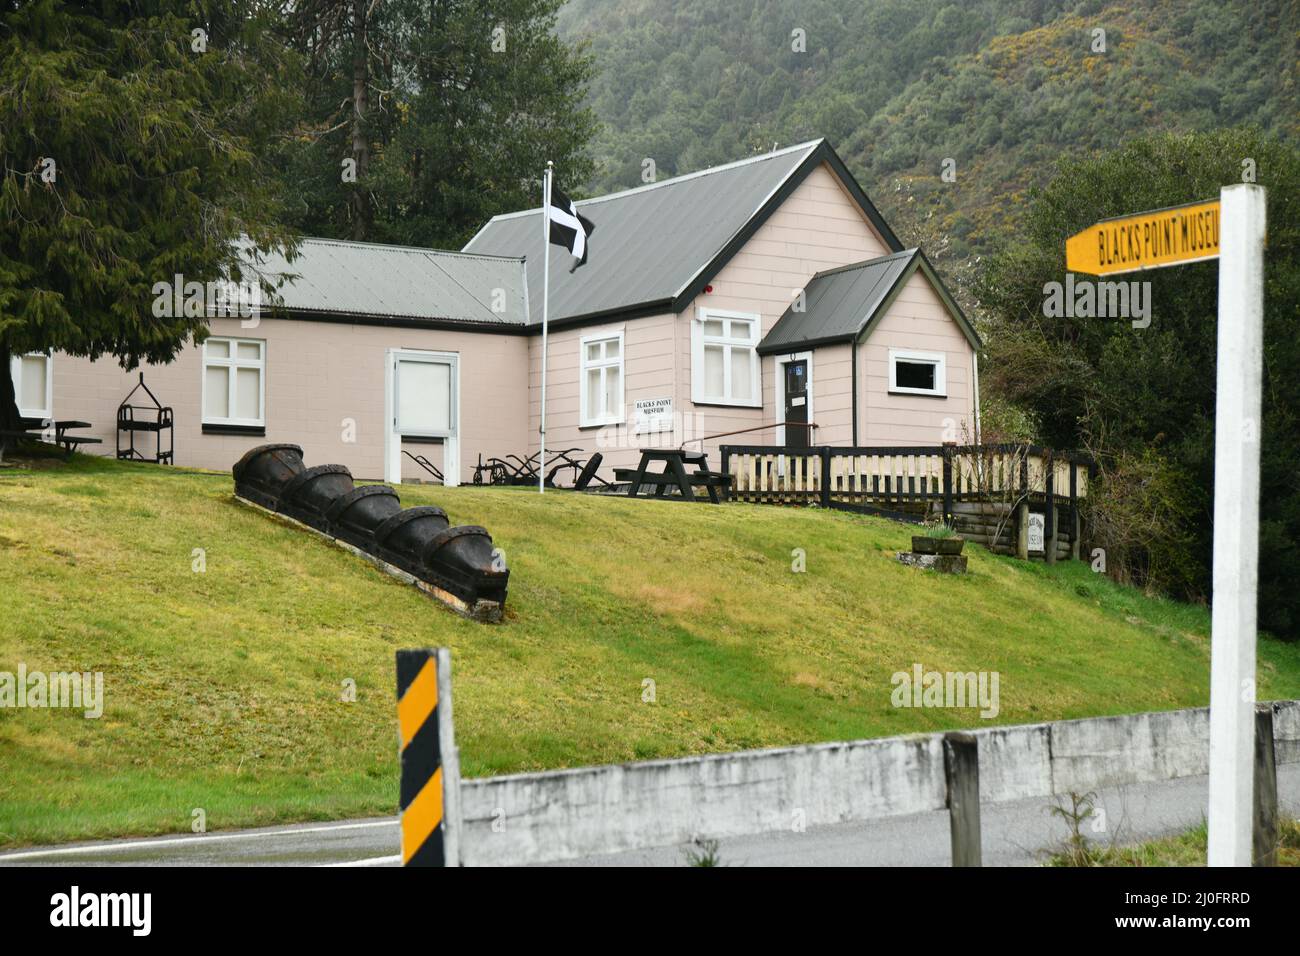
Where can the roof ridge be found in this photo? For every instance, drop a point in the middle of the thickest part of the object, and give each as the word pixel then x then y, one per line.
pixel 908 253
pixel 785 150
pixel 422 250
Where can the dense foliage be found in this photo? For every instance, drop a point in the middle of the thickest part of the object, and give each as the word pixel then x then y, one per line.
pixel 127 157
pixel 1143 399
pixel 447 110
pixel 1002 87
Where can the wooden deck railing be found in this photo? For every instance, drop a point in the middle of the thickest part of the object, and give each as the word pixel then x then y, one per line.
pixel 904 480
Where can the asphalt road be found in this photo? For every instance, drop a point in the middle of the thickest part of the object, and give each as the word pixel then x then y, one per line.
pixel 1019 833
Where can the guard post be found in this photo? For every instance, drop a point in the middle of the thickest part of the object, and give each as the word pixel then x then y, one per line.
pixel 429 792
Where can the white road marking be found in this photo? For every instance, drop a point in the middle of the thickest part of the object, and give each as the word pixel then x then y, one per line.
pixel 196 838
pixel 371 861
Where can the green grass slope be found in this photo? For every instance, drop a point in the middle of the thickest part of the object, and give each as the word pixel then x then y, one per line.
pixel 224 687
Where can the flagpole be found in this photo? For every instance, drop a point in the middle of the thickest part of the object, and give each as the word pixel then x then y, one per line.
pixel 546 290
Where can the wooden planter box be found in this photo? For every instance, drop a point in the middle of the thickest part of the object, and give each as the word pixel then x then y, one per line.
pixel 921 544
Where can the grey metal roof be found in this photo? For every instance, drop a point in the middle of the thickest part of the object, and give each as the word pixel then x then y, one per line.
pixel 397 282
pixel 651 243
pixel 840 304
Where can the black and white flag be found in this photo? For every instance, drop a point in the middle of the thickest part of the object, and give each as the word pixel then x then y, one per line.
pixel 569 228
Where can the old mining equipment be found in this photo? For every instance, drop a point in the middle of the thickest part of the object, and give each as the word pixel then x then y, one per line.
pixel 458 562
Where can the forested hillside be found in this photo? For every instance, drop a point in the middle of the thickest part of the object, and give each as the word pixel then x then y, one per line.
pixel 1004 88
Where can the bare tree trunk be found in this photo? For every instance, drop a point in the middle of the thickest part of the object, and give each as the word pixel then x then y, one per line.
pixel 10 420
pixel 9 417
pixel 360 103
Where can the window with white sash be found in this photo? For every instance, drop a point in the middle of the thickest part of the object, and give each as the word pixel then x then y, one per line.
pixel 426 394
pixel 234 382
pixel 724 359
pixel 33 378
pixel 601 383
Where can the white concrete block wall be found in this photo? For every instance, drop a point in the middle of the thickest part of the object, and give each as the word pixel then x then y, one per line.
pixel 608 809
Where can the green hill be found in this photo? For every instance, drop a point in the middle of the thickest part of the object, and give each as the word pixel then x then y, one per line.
pixel 223 686
pixel 1002 87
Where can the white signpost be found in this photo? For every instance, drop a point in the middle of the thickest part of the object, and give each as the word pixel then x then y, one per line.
pixel 1237 431
pixel 1173 237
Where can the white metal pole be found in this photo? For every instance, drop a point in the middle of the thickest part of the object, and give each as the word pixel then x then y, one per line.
pixel 1237 430
pixel 546 290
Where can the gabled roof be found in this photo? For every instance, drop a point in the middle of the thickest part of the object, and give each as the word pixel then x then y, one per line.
pixel 398 284
pixel 656 247
pixel 842 305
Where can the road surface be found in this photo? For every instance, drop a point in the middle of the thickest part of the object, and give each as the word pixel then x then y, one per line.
pixel 1019 833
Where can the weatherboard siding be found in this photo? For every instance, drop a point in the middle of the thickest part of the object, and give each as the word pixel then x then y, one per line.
pixel 916 320
pixel 818 227
pixel 317 375
pixel 648 373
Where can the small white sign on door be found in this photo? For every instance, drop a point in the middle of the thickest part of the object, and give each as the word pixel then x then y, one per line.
pixel 653 415
pixel 1037 526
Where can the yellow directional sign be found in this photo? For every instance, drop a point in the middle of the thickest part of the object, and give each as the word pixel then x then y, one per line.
pixel 1147 240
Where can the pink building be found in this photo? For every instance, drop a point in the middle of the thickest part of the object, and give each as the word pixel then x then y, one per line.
pixel 759 299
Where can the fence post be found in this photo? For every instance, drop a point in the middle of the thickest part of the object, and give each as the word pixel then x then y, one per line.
pixel 961 768
pixel 826 476
pixel 1049 489
pixel 429 791
pixel 1264 830
pixel 1075 543
pixel 948 448
pixel 1022 531
pixel 726 470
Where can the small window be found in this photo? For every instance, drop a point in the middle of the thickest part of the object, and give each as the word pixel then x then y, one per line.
pixel 234 382
pixel 426 395
pixel 725 366
pixel 601 384
pixel 33 378
pixel 917 373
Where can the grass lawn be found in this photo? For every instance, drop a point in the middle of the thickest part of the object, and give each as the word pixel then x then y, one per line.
pixel 223 688
pixel 1184 849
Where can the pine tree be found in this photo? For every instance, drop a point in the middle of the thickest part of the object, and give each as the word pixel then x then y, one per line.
pixel 441 114
pixel 131 137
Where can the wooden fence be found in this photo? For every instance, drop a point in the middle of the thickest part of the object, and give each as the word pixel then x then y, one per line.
pixel 906 482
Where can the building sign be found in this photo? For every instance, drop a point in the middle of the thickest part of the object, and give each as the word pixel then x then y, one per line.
pixel 1037 525
pixel 1148 240
pixel 653 415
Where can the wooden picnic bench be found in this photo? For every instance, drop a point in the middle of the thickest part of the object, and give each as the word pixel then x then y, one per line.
pixel 674 474
pixel 32 431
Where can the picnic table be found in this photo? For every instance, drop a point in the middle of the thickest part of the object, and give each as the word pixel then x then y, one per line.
pixel 673 474
pixel 34 429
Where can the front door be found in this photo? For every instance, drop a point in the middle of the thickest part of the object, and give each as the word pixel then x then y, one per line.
pixel 796 403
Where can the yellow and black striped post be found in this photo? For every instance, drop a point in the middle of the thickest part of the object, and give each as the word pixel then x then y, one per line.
pixel 430 785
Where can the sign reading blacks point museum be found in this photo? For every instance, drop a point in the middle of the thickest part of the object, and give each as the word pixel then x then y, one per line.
pixel 1170 237
pixel 1148 240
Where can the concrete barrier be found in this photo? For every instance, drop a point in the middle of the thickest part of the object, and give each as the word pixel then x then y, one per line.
pixel 565 814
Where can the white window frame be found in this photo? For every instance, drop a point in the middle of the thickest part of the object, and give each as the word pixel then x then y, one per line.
pixel 699 340
pixel 938 359
pixel 234 363
pixel 15 375
pixel 452 361
pixel 393 437
pixel 616 416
